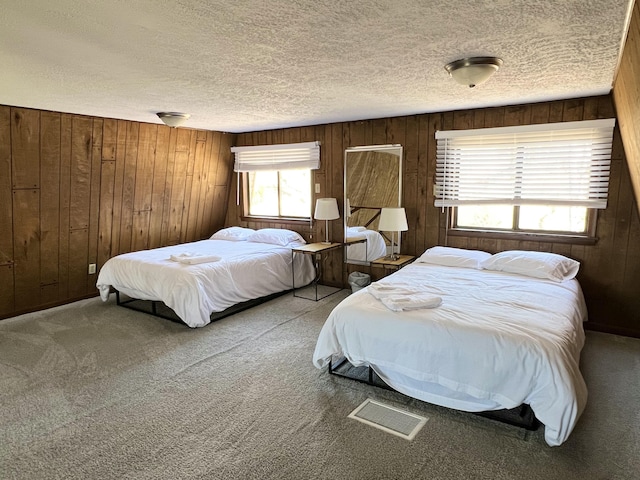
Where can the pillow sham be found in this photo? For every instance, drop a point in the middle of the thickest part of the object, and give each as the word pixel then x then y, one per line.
pixel 550 266
pixel 277 236
pixel 454 257
pixel 356 229
pixel 234 234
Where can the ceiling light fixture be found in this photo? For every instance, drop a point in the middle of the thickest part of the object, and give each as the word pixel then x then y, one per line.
pixel 474 70
pixel 173 119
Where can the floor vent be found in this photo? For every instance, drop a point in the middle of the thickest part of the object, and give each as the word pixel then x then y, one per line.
pixel 389 419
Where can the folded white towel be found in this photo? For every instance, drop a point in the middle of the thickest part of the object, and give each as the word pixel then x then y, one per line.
pixel 194 259
pixel 399 303
pixel 381 290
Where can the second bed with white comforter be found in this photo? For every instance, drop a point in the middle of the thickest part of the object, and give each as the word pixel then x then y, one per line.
pixel 498 340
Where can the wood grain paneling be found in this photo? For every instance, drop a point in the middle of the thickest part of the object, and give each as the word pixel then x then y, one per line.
pixel 626 95
pixel 607 268
pixel 76 190
pixel 25 147
pixel 50 201
pixel 26 247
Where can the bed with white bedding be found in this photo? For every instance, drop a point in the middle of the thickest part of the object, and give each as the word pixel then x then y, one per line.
pixel 209 276
pixel 373 248
pixel 496 341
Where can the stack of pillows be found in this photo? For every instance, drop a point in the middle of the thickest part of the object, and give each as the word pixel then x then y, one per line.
pixel 549 266
pixel 273 236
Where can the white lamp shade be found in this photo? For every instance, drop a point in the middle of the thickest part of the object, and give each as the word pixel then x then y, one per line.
pixel 393 220
pixel 326 209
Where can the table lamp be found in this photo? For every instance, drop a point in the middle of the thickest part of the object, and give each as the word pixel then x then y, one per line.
pixel 393 220
pixel 326 209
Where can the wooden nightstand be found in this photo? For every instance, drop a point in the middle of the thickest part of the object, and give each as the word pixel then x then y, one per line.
pixel 316 250
pixel 393 264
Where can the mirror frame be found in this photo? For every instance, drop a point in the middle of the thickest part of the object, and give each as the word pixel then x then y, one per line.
pixel 396 149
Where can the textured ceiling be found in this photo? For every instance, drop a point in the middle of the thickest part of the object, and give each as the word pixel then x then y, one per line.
pixel 240 66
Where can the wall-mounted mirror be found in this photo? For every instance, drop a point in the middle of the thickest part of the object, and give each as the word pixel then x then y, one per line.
pixel 372 181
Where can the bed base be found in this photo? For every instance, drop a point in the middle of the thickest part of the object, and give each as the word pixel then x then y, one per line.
pixel 521 416
pixel 159 309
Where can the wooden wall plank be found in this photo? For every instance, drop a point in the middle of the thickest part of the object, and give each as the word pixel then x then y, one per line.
pixel 6 195
pixel 159 185
pixel 128 187
pixel 50 203
pixel 105 221
pixel 7 294
pixel 65 195
pixel 26 241
pixel 118 186
pixel 25 147
pixel 94 202
pixel 78 260
pixel 168 185
pixel 80 186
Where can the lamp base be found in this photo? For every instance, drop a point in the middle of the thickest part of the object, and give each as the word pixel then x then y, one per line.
pixel 393 257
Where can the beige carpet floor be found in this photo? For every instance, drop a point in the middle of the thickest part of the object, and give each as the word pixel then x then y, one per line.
pixel 95 391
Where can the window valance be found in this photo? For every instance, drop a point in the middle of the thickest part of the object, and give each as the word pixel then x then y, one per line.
pixel 277 157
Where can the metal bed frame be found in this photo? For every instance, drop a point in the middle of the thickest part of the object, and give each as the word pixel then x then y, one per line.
pixel 521 416
pixel 159 309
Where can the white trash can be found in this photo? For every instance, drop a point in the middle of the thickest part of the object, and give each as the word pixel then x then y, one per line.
pixel 358 281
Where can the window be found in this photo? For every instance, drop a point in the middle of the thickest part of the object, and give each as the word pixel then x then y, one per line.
pixel 533 179
pixel 525 218
pixel 277 178
pixel 273 193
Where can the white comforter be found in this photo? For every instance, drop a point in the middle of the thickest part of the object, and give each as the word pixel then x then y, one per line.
pixel 497 341
pixel 246 270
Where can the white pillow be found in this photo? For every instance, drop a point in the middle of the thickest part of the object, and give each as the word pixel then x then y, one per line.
pixel 546 265
pixel 356 229
pixel 277 236
pixel 234 234
pixel 454 257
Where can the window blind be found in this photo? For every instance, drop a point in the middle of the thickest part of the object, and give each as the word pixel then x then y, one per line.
pixel 546 164
pixel 277 157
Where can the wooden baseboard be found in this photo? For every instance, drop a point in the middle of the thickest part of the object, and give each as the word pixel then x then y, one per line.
pixel 625 332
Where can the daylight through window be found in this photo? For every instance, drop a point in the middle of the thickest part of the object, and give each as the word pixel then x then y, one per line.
pixel 277 178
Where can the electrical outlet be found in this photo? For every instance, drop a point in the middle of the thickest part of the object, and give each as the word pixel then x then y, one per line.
pixel 92 268
pixel 317 188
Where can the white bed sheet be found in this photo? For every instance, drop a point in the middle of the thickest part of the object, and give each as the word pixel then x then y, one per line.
pixel 246 271
pixel 497 341
pixel 374 248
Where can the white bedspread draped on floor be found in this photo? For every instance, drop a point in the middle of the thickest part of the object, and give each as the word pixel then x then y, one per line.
pixel 245 271
pixel 497 341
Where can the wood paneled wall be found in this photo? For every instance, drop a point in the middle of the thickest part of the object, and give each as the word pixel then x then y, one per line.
pixel 610 271
pixel 76 190
pixel 626 95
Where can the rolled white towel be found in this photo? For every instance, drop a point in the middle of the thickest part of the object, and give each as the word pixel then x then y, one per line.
pixel 399 303
pixel 194 258
pixel 382 290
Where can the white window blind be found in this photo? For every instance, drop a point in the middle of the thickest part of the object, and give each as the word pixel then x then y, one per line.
pixel 547 164
pixel 277 157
